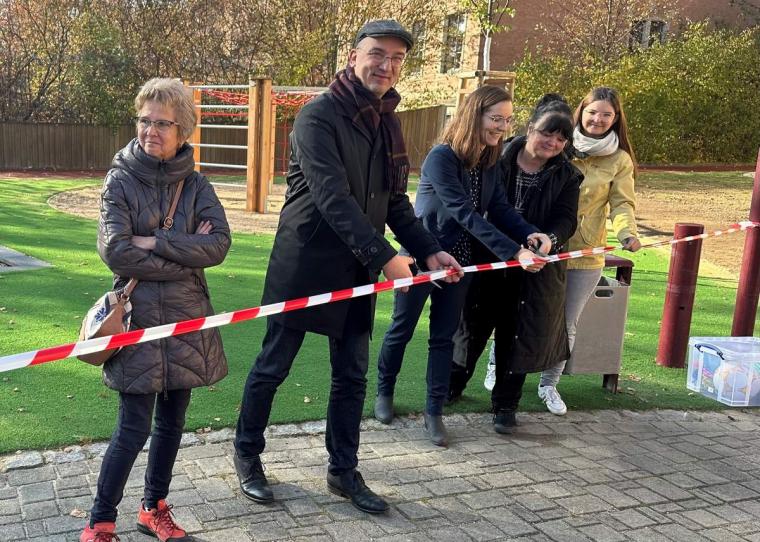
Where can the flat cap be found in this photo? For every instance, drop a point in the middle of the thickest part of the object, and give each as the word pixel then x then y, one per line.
pixel 380 28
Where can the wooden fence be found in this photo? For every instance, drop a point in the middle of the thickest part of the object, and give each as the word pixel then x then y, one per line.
pixel 422 129
pixel 60 146
pixel 82 147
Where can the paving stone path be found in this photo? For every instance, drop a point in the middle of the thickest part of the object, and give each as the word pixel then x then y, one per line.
pixel 598 476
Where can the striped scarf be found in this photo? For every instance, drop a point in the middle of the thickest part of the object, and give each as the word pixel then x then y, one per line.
pixel 370 113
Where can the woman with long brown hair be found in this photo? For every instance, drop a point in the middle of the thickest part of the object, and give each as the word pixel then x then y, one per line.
pixel 459 183
pixel 527 312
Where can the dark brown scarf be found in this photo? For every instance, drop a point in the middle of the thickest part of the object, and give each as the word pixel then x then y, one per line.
pixel 370 113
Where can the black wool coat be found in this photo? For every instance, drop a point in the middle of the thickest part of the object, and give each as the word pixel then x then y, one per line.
pixel 136 196
pixel 331 230
pixel 530 307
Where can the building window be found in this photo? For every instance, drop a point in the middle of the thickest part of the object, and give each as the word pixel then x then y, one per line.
pixel 453 42
pixel 415 59
pixel 647 33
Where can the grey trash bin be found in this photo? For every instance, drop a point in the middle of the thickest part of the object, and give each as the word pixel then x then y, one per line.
pixel 601 329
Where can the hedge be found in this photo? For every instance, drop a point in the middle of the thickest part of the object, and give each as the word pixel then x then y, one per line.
pixel 694 99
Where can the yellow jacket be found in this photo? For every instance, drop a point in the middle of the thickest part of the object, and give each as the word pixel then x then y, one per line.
pixel 606 191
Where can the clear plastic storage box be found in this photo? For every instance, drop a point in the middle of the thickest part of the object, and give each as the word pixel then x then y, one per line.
pixel 726 369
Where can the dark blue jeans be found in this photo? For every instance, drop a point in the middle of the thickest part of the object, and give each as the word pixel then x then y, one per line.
pixel 445 308
pixel 132 430
pixel 349 358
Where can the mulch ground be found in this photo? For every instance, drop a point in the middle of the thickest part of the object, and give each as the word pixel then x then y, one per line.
pixel 657 212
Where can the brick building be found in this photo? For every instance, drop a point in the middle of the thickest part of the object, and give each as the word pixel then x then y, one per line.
pixel 460 46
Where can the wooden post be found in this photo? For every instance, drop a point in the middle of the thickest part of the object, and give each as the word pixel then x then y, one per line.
pixel 195 138
pixel 745 311
pixel 469 81
pixel 679 297
pixel 259 143
pixel 250 179
pixel 273 141
pixel 265 142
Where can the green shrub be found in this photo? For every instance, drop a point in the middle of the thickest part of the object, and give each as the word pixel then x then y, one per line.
pixel 692 99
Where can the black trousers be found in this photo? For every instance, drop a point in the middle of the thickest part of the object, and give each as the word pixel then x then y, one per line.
pixel 476 325
pixel 132 430
pixel 349 357
pixel 484 312
pixel 445 306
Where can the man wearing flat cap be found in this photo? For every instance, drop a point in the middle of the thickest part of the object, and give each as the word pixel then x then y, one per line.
pixel 347 179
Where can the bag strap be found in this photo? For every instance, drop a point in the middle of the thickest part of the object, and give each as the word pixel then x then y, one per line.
pixel 127 291
pixel 167 225
pixel 169 220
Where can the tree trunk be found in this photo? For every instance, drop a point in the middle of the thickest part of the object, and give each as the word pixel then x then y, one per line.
pixel 487 52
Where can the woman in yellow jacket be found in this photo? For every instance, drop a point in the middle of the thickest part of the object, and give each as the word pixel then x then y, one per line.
pixel 604 155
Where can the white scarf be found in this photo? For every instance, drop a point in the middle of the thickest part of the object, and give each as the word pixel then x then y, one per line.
pixel 589 146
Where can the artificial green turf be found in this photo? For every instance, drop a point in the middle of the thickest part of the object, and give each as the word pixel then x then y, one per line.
pixel 65 402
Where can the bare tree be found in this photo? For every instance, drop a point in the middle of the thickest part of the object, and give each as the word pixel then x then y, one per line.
pixel 80 60
pixel 35 35
pixel 490 16
pixel 600 29
pixel 750 10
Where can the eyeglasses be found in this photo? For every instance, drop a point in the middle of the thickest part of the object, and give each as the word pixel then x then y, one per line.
pixel 378 57
pixel 498 119
pixel 144 123
pixel 603 114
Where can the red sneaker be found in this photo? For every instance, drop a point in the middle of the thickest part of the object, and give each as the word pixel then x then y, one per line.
pixel 159 522
pixel 100 532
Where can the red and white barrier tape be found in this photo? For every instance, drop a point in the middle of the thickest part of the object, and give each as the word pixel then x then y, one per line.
pixel 44 355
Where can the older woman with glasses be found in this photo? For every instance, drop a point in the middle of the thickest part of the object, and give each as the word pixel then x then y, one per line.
pixel 154 379
pixel 459 183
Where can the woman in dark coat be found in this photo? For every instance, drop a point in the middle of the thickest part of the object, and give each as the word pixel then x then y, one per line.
pixel 459 182
pixel 526 310
pixel 157 375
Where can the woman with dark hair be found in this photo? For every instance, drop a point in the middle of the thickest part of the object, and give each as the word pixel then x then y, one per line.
pixel 603 153
pixel 527 311
pixel 459 183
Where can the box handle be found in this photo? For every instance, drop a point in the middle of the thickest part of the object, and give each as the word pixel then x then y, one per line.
pixel 603 293
pixel 714 349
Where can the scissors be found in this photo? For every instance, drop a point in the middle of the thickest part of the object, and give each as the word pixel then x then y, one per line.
pixel 537 252
pixel 414 268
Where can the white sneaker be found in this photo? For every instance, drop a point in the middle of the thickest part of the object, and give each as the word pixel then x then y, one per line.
pixel 490 380
pixel 550 396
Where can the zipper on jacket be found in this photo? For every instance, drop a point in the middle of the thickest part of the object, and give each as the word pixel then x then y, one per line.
pixel 164 359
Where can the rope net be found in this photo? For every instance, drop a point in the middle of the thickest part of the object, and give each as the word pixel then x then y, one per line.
pixel 286 101
pixel 289 99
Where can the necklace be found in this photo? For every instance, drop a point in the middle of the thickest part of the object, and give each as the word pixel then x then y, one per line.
pixel 524 181
pixel 528 165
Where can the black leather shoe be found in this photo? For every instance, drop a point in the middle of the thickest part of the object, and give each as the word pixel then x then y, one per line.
pixel 436 430
pixel 253 483
pixel 351 486
pixel 505 422
pixel 384 409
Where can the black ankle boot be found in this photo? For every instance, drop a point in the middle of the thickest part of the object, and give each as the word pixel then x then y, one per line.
pixel 505 422
pixel 253 483
pixel 351 485
pixel 384 409
pixel 436 430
